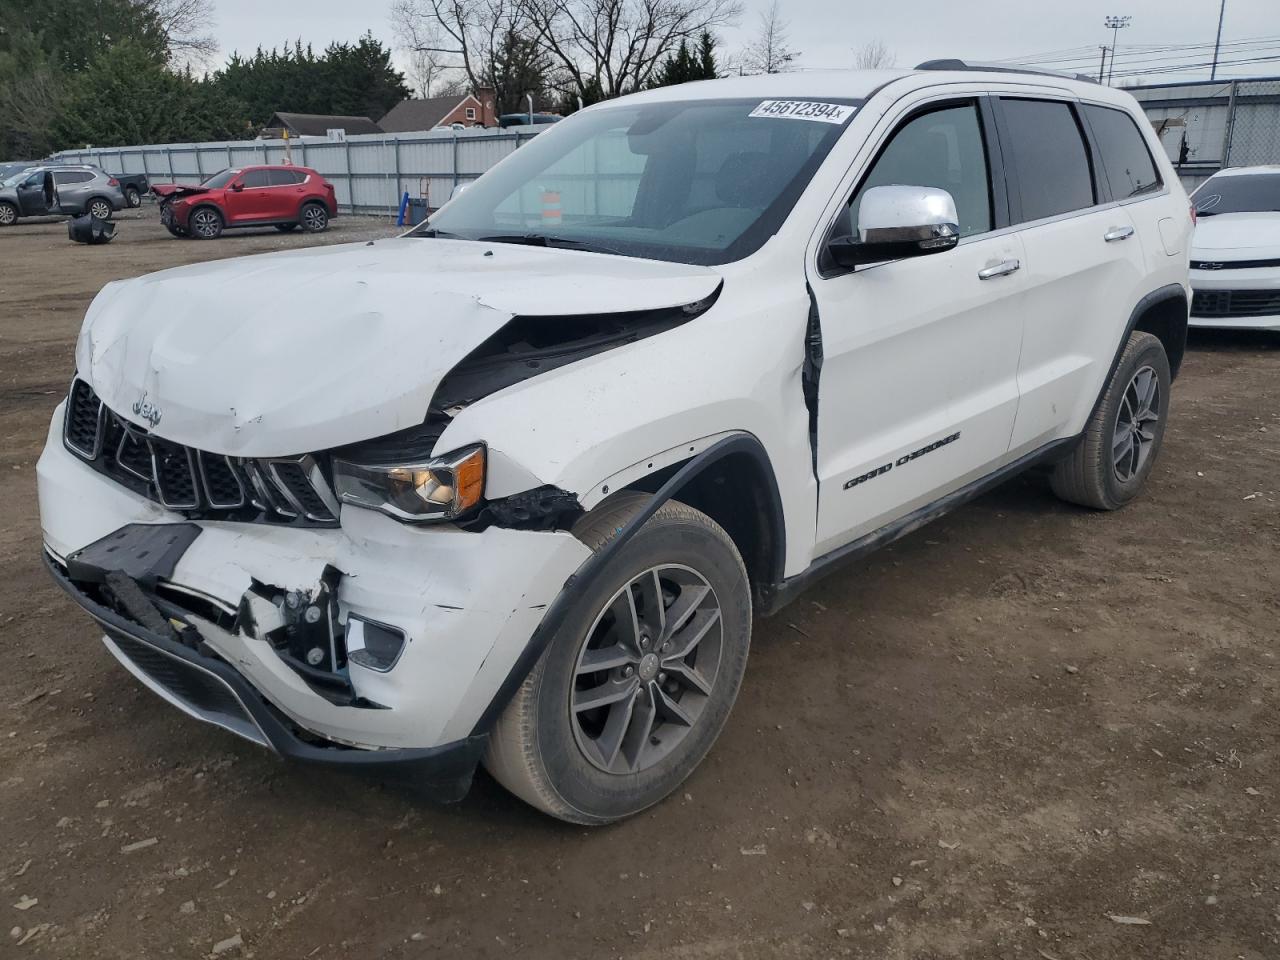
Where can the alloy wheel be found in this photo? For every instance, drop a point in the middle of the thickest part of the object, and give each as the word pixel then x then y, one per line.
pixel 100 209
pixel 1135 433
pixel 314 218
pixel 7 214
pixel 204 223
pixel 646 669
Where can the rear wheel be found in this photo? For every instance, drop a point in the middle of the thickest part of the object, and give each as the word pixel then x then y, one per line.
pixel 205 223
pixel 132 197
pixel 637 683
pixel 314 218
pixel 1123 437
pixel 8 214
pixel 99 209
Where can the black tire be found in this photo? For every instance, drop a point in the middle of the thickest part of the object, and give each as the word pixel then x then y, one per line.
pixel 132 197
pixel 286 227
pixel 100 208
pixel 536 749
pixel 8 214
pixel 205 223
pixel 313 217
pixel 1102 472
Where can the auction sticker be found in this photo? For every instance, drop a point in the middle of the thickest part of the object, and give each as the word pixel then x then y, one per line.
pixel 804 110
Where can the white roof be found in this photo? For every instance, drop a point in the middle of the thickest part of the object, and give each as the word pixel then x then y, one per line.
pixel 853 84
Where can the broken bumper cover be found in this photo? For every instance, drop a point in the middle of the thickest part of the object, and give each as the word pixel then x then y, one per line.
pixel 208 689
pixel 467 604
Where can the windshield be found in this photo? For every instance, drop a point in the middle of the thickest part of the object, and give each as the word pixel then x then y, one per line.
pixel 221 179
pixel 702 182
pixel 1245 193
pixel 14 179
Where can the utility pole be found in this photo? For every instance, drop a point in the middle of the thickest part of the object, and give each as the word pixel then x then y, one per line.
pixel 1102 64
pixel 1222 11
pixel 1115 25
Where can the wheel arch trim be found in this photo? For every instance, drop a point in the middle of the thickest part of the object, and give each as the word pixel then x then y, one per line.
pixel 735 444
pixel 1167 294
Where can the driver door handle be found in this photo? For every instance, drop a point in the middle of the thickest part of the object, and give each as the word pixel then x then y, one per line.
pixel 1001 269
pixel 1118 233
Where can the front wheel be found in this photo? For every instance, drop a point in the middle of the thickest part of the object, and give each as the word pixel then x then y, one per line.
pixel 1122 438
pixel 636 684
pixel 8 214
pixel 205 223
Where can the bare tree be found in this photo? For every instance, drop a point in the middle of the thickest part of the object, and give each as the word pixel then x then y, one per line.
pixel 418 34
pixel 872 55
pixel 606 48
pixel 769 52
pixel 30 103
pixel 465 35
pixel 185 25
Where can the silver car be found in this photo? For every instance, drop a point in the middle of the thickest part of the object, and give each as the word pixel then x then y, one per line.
pixel 51 189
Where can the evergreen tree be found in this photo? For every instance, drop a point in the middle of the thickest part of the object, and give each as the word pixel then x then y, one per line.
pixel 689 63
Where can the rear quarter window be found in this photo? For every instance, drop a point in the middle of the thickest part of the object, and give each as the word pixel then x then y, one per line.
pixel 1050 157
pixel 1126 160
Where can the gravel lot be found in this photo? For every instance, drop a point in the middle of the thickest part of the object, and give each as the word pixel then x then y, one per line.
pixel 1015 734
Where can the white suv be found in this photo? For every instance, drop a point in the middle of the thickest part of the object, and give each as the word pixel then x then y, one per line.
pixel 511 487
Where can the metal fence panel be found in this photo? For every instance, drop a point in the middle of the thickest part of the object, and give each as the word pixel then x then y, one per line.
pixel 370 173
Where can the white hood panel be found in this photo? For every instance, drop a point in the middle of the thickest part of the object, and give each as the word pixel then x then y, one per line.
pixel 1237 236
pixel 296 352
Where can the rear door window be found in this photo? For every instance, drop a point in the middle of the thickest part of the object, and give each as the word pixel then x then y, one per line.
pixel 65 177
pixel 1049 154
pixel 286 178
pixel 1126 161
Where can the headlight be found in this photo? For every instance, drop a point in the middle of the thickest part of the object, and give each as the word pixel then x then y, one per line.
pixel 439 489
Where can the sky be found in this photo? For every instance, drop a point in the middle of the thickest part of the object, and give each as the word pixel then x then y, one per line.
pixel 1060 35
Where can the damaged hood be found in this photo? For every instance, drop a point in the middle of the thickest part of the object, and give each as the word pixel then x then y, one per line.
pixel 297 352
pixel 166 190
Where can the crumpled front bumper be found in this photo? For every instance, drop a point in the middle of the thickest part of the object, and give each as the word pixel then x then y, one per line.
pixel 467 603
pixel 208 689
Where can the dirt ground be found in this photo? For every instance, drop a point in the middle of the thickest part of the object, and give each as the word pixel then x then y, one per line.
pixel 1027 731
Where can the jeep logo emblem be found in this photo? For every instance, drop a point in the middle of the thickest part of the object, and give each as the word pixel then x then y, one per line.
pixel 147 410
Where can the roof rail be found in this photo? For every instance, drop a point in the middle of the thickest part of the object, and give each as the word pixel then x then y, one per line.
pixel 999 68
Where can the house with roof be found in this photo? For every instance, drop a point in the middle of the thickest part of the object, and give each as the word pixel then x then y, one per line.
pixel 469 109
pixel 315 125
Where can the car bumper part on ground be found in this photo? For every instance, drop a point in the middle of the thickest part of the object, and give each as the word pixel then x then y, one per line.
pixel 467 603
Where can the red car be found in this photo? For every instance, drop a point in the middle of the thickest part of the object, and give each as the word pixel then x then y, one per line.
pixel 285 197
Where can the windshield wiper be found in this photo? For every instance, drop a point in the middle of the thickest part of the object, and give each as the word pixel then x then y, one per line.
pixel 544 240
pixel 434 234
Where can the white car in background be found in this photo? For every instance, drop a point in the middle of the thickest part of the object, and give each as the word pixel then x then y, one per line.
pixel 1235 252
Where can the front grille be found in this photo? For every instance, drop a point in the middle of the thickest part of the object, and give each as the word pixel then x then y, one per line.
pixel 1235 303
pixel 192 481
pixel 1233 264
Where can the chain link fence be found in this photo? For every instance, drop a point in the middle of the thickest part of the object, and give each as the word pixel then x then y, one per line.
pixel 1207 126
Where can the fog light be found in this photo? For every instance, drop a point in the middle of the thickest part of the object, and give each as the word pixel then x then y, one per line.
pixel 373 645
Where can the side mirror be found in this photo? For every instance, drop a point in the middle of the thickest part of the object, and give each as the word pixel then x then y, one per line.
pixel 896 222
pixel 237 186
